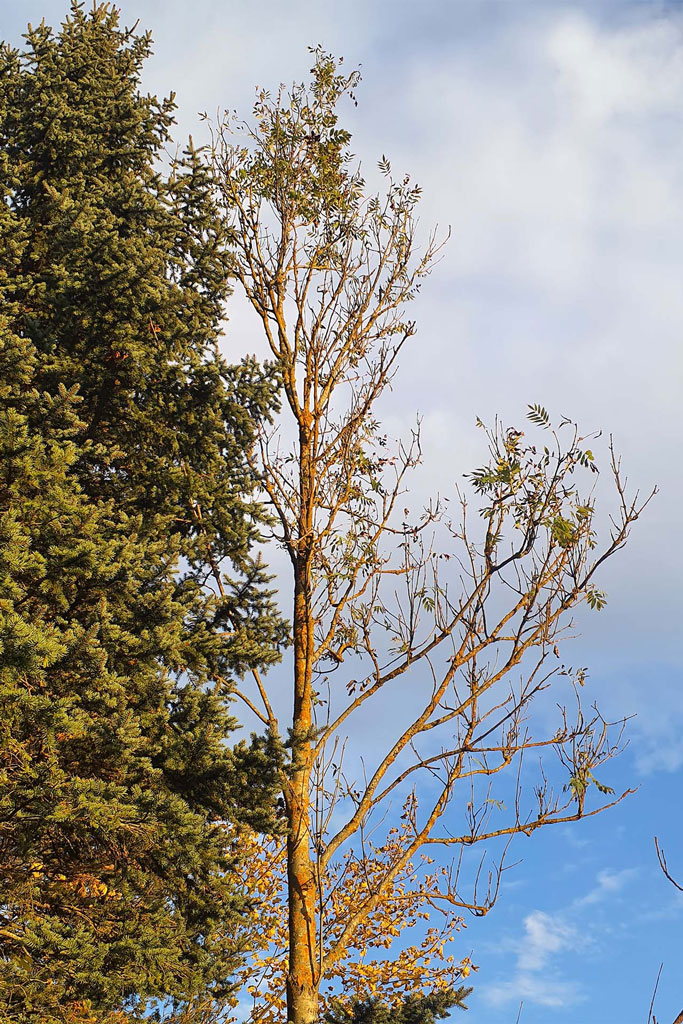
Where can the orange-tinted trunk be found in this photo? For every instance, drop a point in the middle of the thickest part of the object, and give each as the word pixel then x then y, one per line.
pixel 303 978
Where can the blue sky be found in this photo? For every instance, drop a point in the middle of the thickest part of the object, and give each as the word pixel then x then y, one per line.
pixel 549 136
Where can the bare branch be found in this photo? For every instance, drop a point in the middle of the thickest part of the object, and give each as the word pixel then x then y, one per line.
pixel 662 863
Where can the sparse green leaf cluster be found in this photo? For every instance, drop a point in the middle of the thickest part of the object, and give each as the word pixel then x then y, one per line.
pixel 531 488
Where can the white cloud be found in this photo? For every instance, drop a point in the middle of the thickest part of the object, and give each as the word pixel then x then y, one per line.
pixel 538 977
pixel 609 883
pixel 544 991
pixel 544 936
pixel 555 154
pixel 606 72
pixel 664 754
pixel 535 979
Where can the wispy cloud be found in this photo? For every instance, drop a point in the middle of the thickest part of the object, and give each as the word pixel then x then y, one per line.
pixel 543 991
pixel 609 883
pixel 544 937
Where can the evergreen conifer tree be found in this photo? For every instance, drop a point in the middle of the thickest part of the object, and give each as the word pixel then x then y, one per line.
pixel 125 499
pixel 416 1009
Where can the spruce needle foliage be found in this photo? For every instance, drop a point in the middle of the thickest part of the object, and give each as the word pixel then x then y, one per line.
pixel 416 1009
pixel 129 597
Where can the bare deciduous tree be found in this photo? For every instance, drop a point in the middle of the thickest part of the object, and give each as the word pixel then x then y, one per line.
pixel 471 607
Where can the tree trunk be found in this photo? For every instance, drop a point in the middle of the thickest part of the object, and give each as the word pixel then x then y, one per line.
pixel 304 976
pixel 303 979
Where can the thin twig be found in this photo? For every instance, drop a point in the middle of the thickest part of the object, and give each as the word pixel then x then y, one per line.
pixel 662 863
pixel 654 994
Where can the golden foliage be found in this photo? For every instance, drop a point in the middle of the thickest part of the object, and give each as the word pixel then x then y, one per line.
pixel 407 916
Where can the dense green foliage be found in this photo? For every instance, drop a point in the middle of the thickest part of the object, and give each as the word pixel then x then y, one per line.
pixel 417 1009
pixel 124 499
